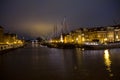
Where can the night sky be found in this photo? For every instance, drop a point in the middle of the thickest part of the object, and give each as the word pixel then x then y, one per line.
pixel 35 18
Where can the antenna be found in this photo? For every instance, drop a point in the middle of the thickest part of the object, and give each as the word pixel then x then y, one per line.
pixel 55 30
pixel 64 26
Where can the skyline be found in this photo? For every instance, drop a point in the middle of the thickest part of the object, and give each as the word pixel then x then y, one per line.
pixel 34 18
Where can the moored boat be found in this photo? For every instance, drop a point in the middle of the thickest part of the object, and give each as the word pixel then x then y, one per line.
pixel 101 46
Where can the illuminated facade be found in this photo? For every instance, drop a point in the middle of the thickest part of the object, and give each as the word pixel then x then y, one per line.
pixel 74 37
pixel 117 34
pixel 98 34
pixel 7 38
pixel 10 38
pixel 110 34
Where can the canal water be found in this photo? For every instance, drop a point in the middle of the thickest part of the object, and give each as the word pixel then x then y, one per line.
pixel 34 62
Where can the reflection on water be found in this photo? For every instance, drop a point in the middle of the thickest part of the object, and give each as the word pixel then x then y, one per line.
pixel 36 62
pixel 108 61
pixel 35 45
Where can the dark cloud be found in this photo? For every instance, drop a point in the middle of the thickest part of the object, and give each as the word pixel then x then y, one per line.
pixel 22 16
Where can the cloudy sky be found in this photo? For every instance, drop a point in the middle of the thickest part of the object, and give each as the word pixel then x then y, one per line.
pixel 37 17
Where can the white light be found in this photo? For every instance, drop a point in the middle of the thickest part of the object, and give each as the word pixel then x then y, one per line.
pixel 61 38
pixel 76 39
pixel 117 36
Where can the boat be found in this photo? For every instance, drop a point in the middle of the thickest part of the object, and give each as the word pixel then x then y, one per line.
pixel 94 45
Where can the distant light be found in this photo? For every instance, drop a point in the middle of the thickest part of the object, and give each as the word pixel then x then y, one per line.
pixel 117 36
pixel 83 39
pixel 61 38
pixel 91 43
pixel 82 34
pixel 7 43
pixel 105 39
pixel 50 41
pixel 15 42
pixel 72 40
pixel 76 39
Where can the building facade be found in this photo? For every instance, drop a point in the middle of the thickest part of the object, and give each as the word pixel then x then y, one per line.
pixel 99 34
pixel 8 38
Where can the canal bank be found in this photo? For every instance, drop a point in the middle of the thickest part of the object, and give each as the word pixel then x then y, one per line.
pixel 5 47
pixel 85 46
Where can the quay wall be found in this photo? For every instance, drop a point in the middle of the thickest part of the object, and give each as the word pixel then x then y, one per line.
pixel 4 47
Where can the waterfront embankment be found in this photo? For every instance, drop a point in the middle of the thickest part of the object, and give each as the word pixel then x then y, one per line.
pixel 6 47
pixel 88 47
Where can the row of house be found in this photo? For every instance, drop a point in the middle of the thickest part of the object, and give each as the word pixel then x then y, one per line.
pixel 99 34
pixel 8 38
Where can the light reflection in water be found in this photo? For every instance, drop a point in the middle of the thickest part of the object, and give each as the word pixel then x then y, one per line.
pixel 79 59
pixel 107 62
pixel 35 45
